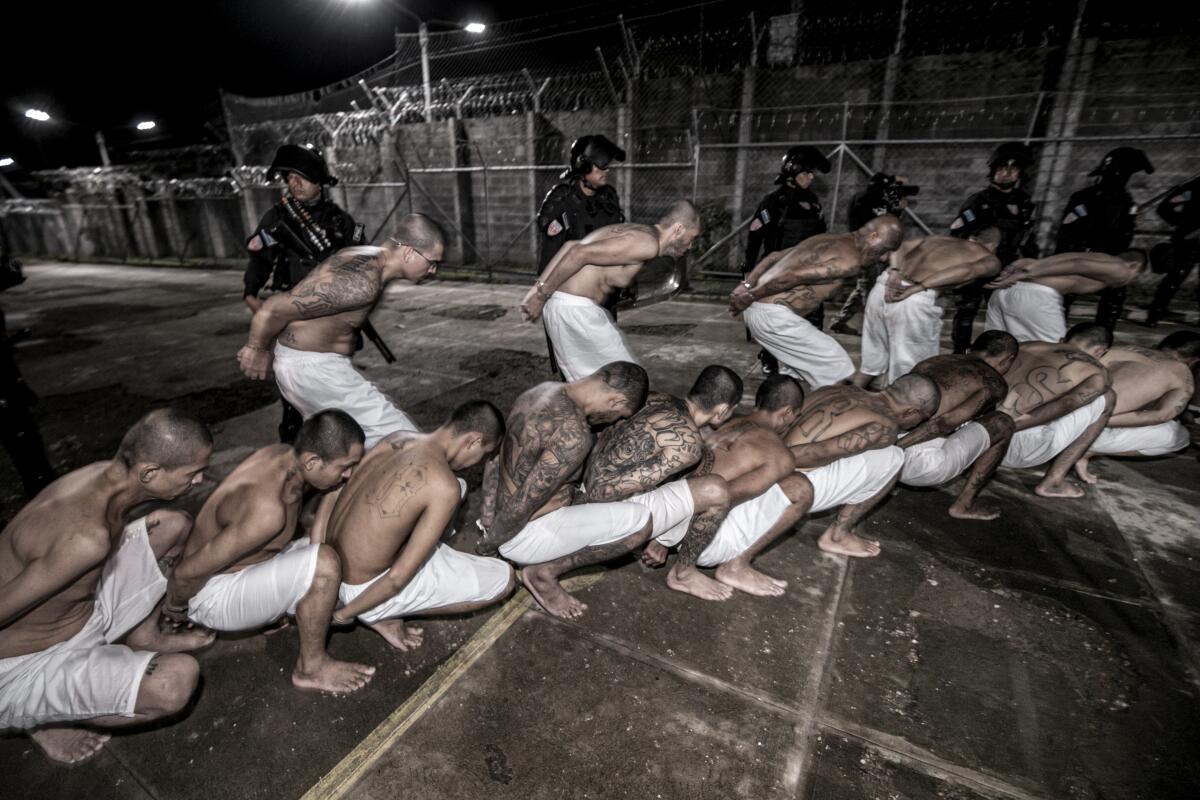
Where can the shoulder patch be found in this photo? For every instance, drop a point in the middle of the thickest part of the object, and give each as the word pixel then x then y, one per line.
pixel 1069 218
pixel 359 235
pixel 968 215
pixel 958 223
pixel 554 228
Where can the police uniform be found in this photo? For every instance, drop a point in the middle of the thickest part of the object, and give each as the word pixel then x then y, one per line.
pixel 568 213
pixel 1101 219
pixel 292 238
pixel 1008 209
pixel 1180 210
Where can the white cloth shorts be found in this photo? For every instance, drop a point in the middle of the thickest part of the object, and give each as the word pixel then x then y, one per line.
pixel 1149 440
pixel 746 523
pixel 898 336
pixel 259 594
pixel 803 351
pixel 1035 446
pixel 314 382
pixel 854 479
pixel 88 676
pixel 671 509
pixel 937 461
pixel 448 577
pixel 1029 311
pixel 584 335
pixel 572 528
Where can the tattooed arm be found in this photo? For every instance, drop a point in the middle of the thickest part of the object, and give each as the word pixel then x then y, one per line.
pixel 977 403
pixel 642 454
pixel 491 488
pixel 633 246
pixel 1078 397
pixel 438 501
pixel 869 436
pixel 1164 409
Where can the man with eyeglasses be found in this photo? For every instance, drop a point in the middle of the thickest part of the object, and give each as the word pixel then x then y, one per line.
pixel 307 334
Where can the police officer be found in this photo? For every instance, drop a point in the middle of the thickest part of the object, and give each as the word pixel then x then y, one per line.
pixel 295 235
pixel 1101 218
pixel 1003 204
pixel 788 216
pixel 578 204
pixel 1175 259
pixel 885 194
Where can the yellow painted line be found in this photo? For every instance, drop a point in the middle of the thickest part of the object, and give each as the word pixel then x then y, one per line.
pixel 342 778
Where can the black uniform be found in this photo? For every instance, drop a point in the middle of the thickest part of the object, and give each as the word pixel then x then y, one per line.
pixel 1012 213
pixel 567 214
pixel 1180 210
pixel 285 247
pixel 784 218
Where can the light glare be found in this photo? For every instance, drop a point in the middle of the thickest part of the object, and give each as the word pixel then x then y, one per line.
pixel 6 162
pixel 148 125
pixel 38 114
pixel 475 27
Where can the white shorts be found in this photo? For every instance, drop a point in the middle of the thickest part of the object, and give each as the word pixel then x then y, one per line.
pixel 745 525
pixel 854 479
pixel 87 676
pixel 448 577
pixel 259 594
pixel 572 528
pixel 1150 440
pixel 314 382
pixel 584 335
pixel 898 336
pixel 1036 446
pixel 937 461
pixel 1031 312
pixel 671 509
pixel 803 351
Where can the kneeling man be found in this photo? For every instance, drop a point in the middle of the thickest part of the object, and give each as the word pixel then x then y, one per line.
pixel 388 522
pixel 242 569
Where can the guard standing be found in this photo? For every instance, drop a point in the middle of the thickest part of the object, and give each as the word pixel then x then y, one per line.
pixel 1180 210
pixel 578 204
pixel 885 194
pixel 1003 204
pixel 1101 218
pixel 297 233
pixel 786 217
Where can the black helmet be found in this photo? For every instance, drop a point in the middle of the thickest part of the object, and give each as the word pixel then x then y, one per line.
pixel 1011 154
pixel 594 150
pixel 302 161
pixel 1122 162
pixel 801 158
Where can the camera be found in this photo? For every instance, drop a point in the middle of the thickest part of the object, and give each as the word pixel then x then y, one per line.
pixel 892 189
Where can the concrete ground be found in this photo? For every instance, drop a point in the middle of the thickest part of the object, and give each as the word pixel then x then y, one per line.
pixel 1050 654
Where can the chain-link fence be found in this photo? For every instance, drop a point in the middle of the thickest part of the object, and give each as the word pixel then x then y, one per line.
pixel 705 99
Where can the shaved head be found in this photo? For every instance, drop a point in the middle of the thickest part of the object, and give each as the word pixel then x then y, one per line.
pixel 420 232
pixel 917 392
pixel 167 437
pixel 880 235
pixel 681 212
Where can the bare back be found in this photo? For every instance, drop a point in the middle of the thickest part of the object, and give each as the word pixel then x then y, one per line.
pixel 832 252
pixel 1141 377
pixel 840 421
pixel 384 500
pixel 921 260
pixel 595 282
pixel 963 379
pixel 349 279
pixel 637 454
pixel 71 523
pixel 742 447
pixel 1084 273
pixel 1043 372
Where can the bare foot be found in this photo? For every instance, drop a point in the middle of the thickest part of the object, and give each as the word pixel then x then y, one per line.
pixel 654 554
pixel 974 511
pixel 331 675
pixel 281 625
pixel 744 577
pixel 1058 489
pixel 184 641
pixel 397 634
pixel 1082 471
pixel 69 745
pixel 848 544
pixel 690 580
pixel 550 595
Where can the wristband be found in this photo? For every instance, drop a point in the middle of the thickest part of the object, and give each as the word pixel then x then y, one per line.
pixel 257 349
pixel 749 288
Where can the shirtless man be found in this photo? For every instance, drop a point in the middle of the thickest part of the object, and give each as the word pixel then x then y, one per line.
pixel 388 523
pixel 76 577
pixel 1153 388
pixel 902 322
pixel 571 289
pixel 845 443
pixel 1028 301
pixel 312 328
pixel 643 460
pixel 790 283
pixel 242 569
pixel 527 513
pixel 769 497
pixel 1060 398
pixel 967 430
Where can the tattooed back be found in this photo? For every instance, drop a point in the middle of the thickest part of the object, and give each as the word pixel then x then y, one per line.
pixel 816 259
pixel 333 300
pixel 834 411
pixel 1141 376
pixel 637 454
pixel 595 282
pixel 1044 371
pixel 961 377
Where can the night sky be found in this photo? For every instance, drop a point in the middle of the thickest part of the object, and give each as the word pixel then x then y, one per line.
pixel 108 65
